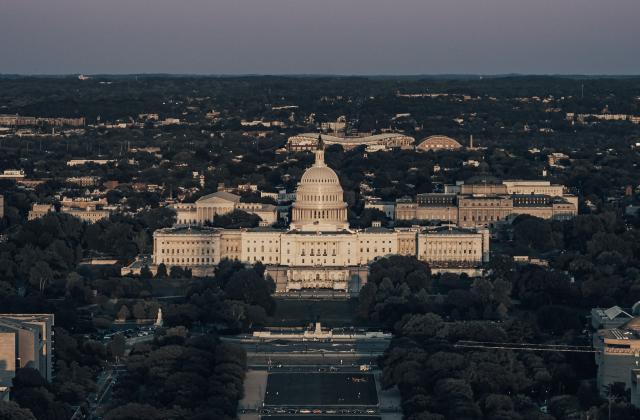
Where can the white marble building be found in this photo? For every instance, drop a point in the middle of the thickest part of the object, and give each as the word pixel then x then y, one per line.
pixel 319 250
pixel 220 203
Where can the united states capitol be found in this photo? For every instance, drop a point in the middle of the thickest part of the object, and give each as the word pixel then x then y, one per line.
pixel 319 250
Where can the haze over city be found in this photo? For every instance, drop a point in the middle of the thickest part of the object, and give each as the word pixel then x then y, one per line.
pixel 320 37
pixel 319 210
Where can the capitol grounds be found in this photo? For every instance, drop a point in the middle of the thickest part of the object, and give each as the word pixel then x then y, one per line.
pixel 324 380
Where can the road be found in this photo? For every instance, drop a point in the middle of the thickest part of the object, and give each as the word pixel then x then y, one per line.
pixel 105 383
pixel 369 346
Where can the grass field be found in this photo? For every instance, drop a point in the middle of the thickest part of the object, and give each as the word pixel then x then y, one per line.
pixel 301 312
pixel 321 389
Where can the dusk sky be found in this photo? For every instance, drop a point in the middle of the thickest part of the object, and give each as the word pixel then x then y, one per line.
pixel 320 36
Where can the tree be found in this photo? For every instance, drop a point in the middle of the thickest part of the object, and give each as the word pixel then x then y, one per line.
pixel 30 391
pixel 40 275
pixel 117 346
pixel 161 272
pixel 249 287
pixel 145 272
pixel 420 326
pixel 176 272
pixel 9 410
pixel 134 411
pixel 237 219
pixel 124 313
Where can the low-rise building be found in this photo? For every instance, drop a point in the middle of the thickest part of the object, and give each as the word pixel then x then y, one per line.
pixel 14 174
pixel 387 207
pixel 485 204
pixel 84 181
pixel 26 341
pixel 309 141
pixel 78 162
pixel 89 214
pixel 618 357
pixel 220 203
pixel 39 210
pixel 438 143
pixel 555 159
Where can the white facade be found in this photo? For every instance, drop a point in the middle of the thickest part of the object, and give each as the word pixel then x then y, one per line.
pixel 220 203
pixel 319 250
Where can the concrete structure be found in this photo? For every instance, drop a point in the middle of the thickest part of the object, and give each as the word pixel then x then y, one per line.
pixel 554 159
pixel 317 333
pixel 14 174
pixel 78 162
pixel 87 210
pixel 20 121
pixel 39 210
pixel 89 215
pixel 220 203
pixel 610 318
pixel 84 181
pixel 309 141
pixel 618 358
pixel 485 204
pixel 438 143
pixel 387 207
pixel 319 250
pixel 26 340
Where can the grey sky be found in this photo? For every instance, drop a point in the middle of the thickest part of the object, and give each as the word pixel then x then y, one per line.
pixel 320 36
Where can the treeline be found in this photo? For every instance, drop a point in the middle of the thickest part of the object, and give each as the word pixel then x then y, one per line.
pixel 235 299
pixel 180 376
pixel 77 363
pixel 40 254
pixel 596 258
pixel 438 380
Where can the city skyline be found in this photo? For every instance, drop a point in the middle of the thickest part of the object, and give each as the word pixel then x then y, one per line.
pixel 332 37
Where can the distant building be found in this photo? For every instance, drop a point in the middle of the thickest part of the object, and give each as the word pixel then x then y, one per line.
pixel 309 141
pixel 487 203
pixel 39 210
pixel 554 159
pixel 26 341
pixel 319 249
pixel 438 143
pixel 613 317
pixel 89 215
pixel 21 121
pixel 78 162
pixel 15 174
pixel 89 211
pixel 618 358
pixel 387 207
pixel 84 181
pixel 219 203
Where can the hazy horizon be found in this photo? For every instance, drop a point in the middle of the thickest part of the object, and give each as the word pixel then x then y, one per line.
pixel 330 38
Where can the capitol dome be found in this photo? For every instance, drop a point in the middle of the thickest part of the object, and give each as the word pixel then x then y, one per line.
pixel 319 204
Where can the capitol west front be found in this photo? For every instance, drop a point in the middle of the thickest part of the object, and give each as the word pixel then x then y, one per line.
pixel 319 250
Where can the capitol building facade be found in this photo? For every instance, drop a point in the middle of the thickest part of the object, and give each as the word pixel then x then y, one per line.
pixel 319 250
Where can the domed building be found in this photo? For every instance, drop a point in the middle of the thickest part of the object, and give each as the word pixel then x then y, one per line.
pixel 319 204
pixel 438 143
pixel 319 250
